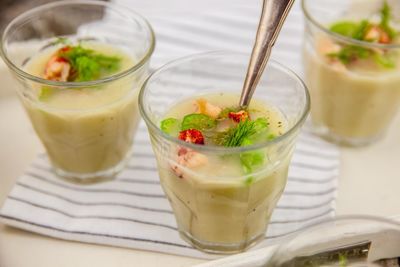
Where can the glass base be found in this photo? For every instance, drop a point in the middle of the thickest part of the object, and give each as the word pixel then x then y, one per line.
pixel 328 135
pixel 91 178
pixel 220 248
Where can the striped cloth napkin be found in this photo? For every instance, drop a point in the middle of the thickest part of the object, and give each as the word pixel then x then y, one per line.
pixel 132 211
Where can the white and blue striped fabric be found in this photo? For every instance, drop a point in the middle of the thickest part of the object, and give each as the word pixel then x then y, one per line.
pixel 132 211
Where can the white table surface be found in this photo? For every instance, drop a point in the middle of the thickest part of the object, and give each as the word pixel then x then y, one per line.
pixel 369 183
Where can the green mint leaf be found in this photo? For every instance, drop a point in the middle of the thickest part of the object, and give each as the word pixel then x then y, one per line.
pixel 345 28
pixel 170 126
pixel 45 93
pixel 197 121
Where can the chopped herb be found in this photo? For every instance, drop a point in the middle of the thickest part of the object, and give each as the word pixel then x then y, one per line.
pixel 361 31
pixel 88 64
pixel 243 132
pixel 197 121
pixel 235 136
pixel 170 126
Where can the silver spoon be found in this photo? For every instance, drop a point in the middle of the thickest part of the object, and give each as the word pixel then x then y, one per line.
pixel 273 15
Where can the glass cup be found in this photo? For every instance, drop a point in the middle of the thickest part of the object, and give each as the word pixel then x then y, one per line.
pixel 343 241
pixel 218 208
pixel 353 103
pixel 86 140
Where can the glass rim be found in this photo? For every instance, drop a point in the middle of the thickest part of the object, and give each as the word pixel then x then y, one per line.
pixel 340 37
pixel 289 132
pixel 20 72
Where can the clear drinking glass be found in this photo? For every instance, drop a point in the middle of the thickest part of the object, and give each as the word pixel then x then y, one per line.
pixel 344 241
pixel 218 210
pixel 353 104
pixel 87 141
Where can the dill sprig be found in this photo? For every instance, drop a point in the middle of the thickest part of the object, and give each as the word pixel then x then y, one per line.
pixel 235 136
pixel 240 134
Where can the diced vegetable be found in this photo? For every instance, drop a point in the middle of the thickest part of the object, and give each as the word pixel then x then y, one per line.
pixel 170 126
pixel 192 136
pixel 239 116
pixel 197 121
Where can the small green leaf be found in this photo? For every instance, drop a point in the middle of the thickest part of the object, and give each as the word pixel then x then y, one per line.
pixel 197 121
pixel 45 93
pixel 345 28
pixel 170 126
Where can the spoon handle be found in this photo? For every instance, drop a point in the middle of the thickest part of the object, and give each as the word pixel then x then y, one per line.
pixel 274 13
